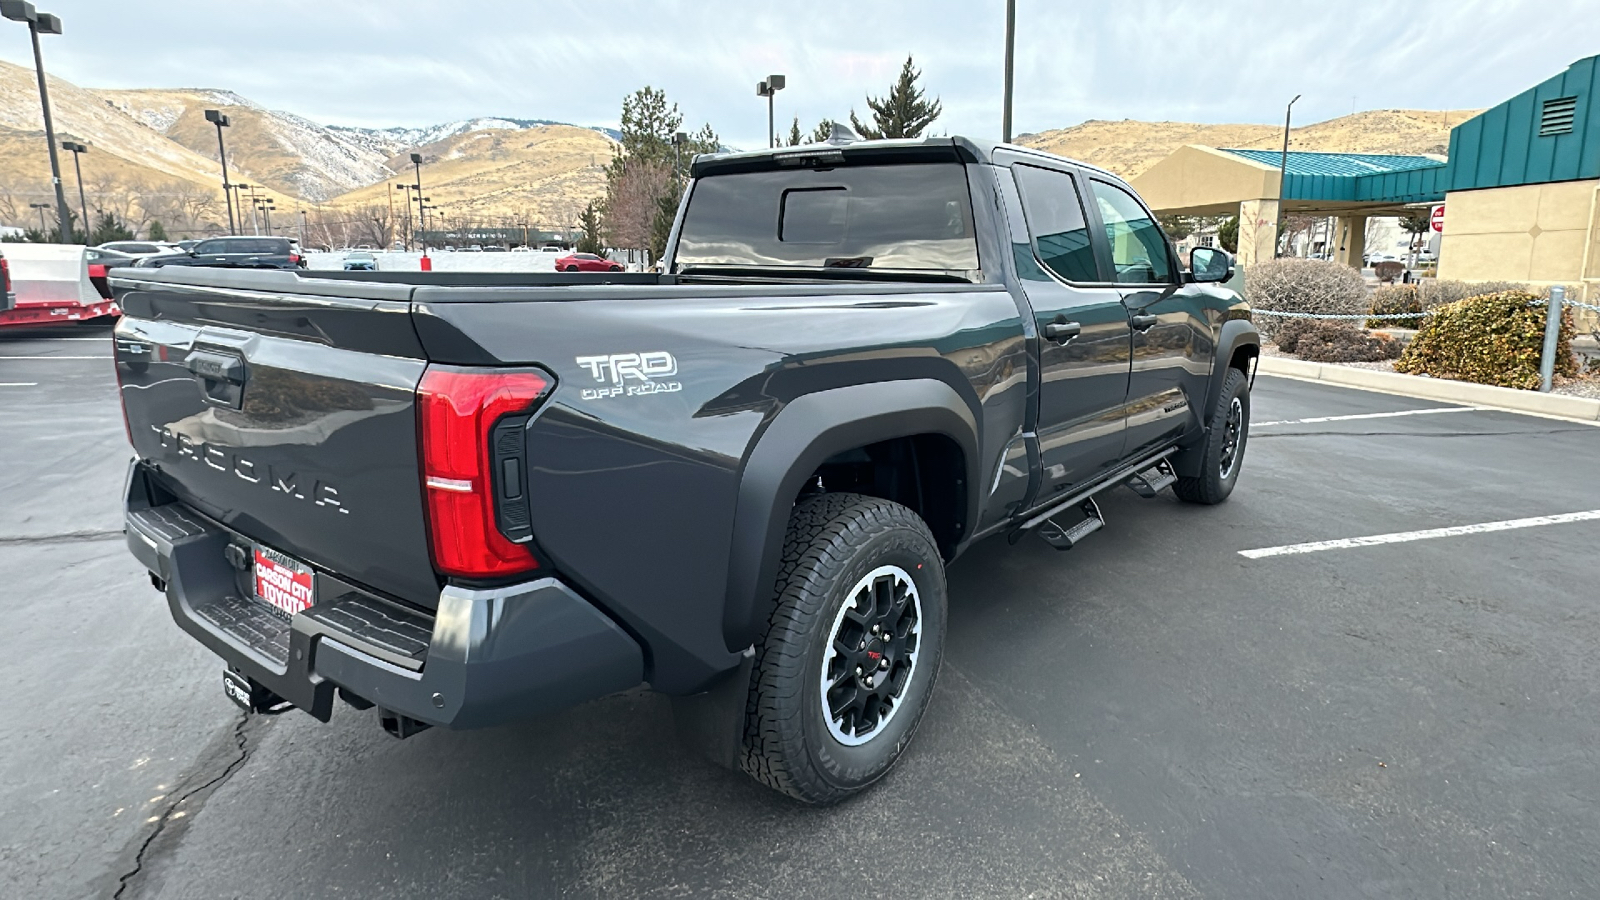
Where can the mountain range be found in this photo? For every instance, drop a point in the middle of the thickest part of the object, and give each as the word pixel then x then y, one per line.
pixel 153 149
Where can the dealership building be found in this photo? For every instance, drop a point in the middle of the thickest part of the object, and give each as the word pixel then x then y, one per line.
pixel 1520 188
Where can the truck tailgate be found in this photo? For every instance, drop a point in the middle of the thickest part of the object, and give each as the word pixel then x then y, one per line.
pixel 290 419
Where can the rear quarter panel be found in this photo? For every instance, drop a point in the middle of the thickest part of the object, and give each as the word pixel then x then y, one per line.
pixel 635 478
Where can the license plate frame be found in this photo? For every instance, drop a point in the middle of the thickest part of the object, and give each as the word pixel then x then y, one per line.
pixel 280 581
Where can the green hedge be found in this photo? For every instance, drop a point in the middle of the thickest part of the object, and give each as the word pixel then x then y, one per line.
pixel 1494 339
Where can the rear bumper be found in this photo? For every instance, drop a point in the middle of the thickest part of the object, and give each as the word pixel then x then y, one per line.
pixel 486 657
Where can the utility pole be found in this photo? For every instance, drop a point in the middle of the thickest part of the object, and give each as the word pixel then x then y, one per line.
pixel 1011 44
pixel 1283 172
pixel 41 207
pixel 43 23
pixel 215 117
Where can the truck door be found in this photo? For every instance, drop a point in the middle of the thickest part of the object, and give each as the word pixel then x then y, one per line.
pixel 1172 344
pixel 1083 340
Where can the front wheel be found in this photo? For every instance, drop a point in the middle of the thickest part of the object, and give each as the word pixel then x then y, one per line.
pixel 1222 454
pixel 847 665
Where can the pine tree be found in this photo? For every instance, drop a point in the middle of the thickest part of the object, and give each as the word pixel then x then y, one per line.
pixel 158 232
pixel 822 132
pixel 589 221
pixel 794 133
pixel 904 113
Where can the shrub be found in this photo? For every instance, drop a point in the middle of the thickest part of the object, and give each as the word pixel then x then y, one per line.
pixel 1395 299
pixel 1325 341
pixel 1493 339
pixel 1303 285
pixel 1434 293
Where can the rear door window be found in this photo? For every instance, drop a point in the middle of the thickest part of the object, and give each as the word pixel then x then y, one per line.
pixel 1138 248
pixel 906 216
pixel 1056 222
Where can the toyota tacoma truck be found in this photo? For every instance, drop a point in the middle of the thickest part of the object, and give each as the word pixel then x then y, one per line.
pixel 471 499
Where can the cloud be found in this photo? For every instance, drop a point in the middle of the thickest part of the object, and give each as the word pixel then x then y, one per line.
pixel 408 62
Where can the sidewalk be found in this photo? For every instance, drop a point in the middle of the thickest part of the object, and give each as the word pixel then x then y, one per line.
pixel 1562 406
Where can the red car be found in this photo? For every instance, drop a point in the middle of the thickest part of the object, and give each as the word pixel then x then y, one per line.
pixel 586 262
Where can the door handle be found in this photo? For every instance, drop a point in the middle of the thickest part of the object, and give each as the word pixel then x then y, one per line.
pixel 1144 322
pixel 1061 332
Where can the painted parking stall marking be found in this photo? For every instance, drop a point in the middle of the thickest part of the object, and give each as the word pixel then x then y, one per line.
pixel 1382 415
pixel 1401 537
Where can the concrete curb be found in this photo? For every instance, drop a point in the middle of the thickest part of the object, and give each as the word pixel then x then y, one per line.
pixel 1582 409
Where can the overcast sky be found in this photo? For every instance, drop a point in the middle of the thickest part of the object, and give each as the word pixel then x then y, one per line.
pixel 412 63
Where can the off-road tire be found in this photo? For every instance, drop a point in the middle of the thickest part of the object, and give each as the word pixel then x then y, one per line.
pixel 1220 463
pixel 834 542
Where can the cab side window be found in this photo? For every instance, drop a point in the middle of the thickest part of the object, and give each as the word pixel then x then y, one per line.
pixel 1056 222
pixel 1138 248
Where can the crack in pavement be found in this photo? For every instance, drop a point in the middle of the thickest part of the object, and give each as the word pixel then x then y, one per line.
pixel 65 537
pixel 230 750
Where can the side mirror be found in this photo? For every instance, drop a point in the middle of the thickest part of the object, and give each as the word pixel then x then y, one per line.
pixel 1209 265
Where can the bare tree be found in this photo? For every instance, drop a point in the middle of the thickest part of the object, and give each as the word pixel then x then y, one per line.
pixel 632 200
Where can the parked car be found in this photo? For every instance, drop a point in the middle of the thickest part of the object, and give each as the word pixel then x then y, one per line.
pixel 139 248
pixel 109 258
pixel 234 252
pixel 551 250
pixel 586 262
pixel 467 503
pixel 475 248
pixel 187 244
pixel 522 248
pixel 360 261
pixel 8 299
pixel 494 248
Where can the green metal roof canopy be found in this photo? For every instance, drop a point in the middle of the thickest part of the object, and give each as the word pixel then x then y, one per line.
pixel 1356 177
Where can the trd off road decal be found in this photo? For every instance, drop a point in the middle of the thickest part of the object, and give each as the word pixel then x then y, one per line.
pixel 630 374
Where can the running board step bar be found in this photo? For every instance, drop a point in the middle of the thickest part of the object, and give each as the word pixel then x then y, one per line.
pixel 1153 480
pixel 1067 538
pixel 1115 477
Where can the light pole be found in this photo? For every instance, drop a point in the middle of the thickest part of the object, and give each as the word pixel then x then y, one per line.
pixel 1283 172
pixel 678 140
pixel 770 89
pixel 1011 45
pixel 266 206
pixel 422 211
pixel 41 207
pixel 43 23
pixel 77 150
pixel 255 206
pixel 215 117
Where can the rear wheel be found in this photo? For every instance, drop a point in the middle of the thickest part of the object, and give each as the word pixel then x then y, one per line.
pixel 572 268
pixel 847 665
pixel 1222 455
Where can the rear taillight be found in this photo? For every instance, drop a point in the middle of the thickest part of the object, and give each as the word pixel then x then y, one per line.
pixel 294 258
pixel 5 276
pixel 473 469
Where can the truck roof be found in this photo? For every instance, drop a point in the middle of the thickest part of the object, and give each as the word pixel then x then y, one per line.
pixel 956 148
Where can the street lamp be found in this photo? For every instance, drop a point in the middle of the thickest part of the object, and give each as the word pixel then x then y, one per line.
pixel 215 117
pixel 422 211
pixel 267 206
pixel 41 207
pixel 1283 172
pixel 77 150
pixel 43 23
pixel 770 89
pixel 1011 44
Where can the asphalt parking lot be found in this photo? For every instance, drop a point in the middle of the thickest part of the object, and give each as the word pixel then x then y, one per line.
pixel 1151 715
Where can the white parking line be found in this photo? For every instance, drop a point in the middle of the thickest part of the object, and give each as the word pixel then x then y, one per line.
pixel 56 357
pixel 19 384
pixel 1401 537
pixel 1382 415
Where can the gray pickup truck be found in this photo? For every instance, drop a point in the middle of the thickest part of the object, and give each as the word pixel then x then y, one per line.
pixel 467 500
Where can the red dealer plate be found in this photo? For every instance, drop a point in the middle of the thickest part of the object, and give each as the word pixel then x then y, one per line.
pixel 282 581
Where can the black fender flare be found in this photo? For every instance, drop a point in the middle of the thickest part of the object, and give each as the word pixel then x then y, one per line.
pixel 1235 333
pixel 809 430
